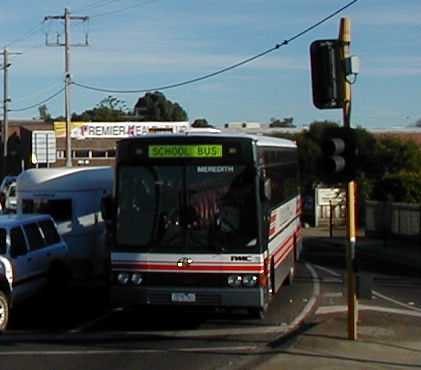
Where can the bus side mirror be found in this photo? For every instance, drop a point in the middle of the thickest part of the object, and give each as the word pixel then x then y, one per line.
pixel 107 207
pixel 265 189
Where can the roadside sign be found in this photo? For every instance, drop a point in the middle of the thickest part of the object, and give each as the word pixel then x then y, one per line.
pixel 44 146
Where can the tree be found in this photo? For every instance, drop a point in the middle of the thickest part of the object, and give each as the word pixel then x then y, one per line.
pixel 398 187
pixel 155 107
pixel 286 122
pixel 201 122
pixel 43 113
pixel 109 109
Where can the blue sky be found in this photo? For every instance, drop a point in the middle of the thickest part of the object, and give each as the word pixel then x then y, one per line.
pixel 143 44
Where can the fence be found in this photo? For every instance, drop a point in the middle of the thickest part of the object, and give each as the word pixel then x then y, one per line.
pixel 388 220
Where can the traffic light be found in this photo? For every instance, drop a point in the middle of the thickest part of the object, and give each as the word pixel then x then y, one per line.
pixel 340 155
pixel 327 74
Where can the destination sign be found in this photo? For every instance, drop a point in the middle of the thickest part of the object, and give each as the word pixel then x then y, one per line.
pixel 186 151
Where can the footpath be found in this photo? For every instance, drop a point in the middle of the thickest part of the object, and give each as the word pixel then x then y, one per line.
pixel 385 340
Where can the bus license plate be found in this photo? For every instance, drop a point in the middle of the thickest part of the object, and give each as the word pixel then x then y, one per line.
pixel 183 297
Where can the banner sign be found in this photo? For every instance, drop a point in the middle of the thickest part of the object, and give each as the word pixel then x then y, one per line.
pixel 117 130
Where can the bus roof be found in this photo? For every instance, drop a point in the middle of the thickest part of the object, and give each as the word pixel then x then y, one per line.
pixel 65 179
pixel 260 140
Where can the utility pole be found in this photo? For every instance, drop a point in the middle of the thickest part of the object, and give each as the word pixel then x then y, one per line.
pixel 345 42
pixel 67 76
pixel 6 100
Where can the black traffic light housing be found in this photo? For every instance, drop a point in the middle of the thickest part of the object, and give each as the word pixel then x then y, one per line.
pixel 340 155
pixel 327 74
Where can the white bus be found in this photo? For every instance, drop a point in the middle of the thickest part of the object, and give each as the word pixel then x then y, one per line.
pixel 204 220
pixel 72 196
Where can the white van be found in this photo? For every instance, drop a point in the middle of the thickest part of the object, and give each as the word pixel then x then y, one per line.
pixel 72 196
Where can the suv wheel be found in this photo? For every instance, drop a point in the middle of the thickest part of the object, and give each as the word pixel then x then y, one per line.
pixel 4 311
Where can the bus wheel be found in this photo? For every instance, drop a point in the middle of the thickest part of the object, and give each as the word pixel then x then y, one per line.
pixel 4 311
pixel 257 313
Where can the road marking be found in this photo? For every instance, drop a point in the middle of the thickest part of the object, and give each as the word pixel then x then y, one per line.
pixel 386 298
pixel 324 310
pixel 329 271
pixel 333 295
pixel 127 351
pixel 312 302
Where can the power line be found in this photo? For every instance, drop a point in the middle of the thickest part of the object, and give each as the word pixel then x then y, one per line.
pixel 39 103
pixel 121 10
pixel 225 69
pixel 95 5
pixel 28 34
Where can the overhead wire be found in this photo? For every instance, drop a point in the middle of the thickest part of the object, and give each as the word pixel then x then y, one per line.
pixel 39 103
pixel 225 69
pixel 28 34
pixel 122 10
pixel 95 5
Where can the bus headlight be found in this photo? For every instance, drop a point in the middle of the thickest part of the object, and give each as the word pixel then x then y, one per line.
pixel 249 280
pixel 234 280
pixel 123 278
pixel 136 278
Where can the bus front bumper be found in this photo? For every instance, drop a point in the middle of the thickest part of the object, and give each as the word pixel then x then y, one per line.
pixel 190 297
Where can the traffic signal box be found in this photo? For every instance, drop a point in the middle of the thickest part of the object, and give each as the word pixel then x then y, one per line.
pixel 340 155
pixel 327 74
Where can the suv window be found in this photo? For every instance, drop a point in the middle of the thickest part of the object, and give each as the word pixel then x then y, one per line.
pixel 49 231
pixel 3 234
pixel 17 243
pixel 35 239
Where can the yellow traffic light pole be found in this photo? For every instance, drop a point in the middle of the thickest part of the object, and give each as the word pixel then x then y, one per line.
pixel 345 41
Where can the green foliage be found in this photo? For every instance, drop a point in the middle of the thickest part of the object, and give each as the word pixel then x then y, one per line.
pixel 109 109
pixel 286 122
pixel 155 107
pixel 201 122
pixel 394 155
pixel 44 114
pixel 399 187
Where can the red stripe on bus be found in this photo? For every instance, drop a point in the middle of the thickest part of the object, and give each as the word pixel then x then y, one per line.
pixel 278 261
pixel 151 267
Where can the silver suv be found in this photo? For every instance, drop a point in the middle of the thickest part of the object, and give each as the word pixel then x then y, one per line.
pixel 32 256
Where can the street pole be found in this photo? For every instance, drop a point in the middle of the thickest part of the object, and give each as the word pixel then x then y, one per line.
pixel 67 80
pixel 345 42
pixel 5 105
pixel 6 100
pixel 67 76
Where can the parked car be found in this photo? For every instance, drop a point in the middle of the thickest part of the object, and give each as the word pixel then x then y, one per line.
pixel 10 202
pixel 33 256
pixel 7 180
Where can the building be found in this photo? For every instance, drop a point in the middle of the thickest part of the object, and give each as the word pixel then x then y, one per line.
pixel 93 143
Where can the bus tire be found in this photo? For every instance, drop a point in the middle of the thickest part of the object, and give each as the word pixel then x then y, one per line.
pixel 4 311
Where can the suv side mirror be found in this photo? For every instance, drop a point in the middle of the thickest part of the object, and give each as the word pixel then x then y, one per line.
pixel 107 207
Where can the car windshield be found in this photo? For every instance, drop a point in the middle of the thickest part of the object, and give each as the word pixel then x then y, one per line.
pixel 197 209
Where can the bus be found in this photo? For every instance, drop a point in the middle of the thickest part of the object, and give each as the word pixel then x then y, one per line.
pixel 203 220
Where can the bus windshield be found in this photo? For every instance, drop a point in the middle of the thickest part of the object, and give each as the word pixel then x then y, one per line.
pixel 186 208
